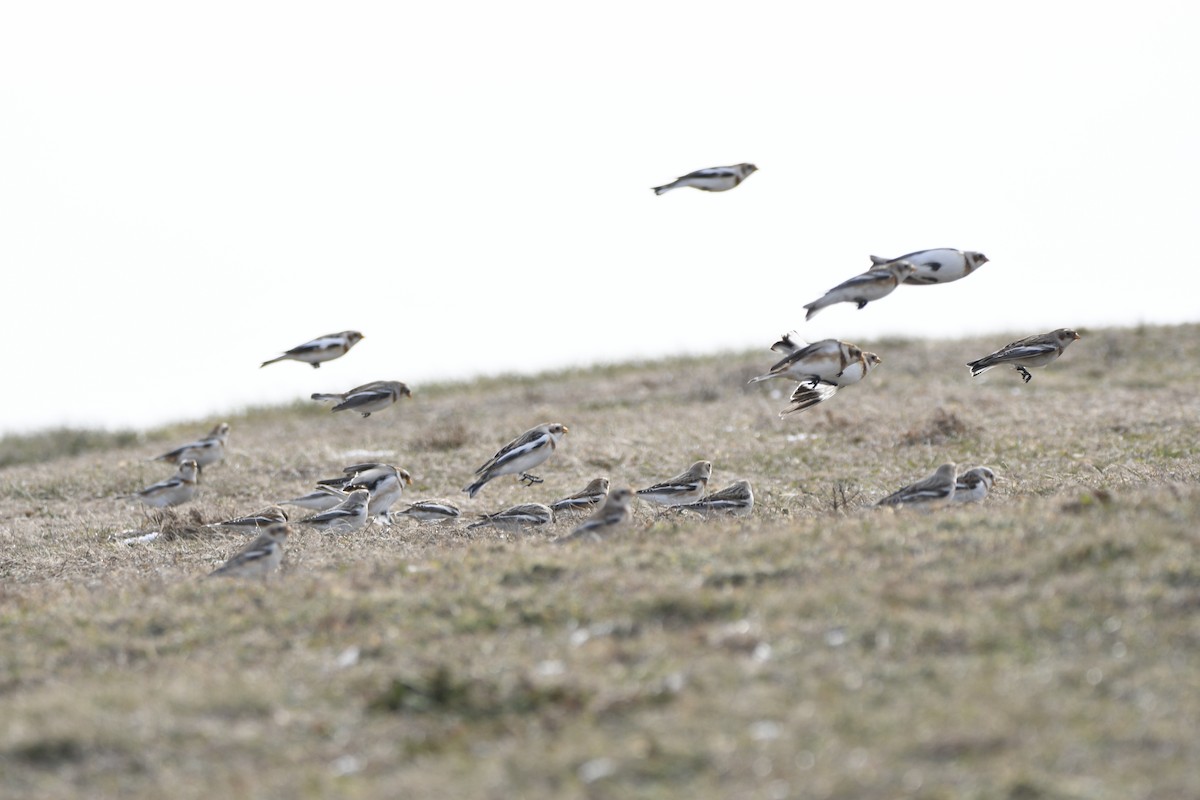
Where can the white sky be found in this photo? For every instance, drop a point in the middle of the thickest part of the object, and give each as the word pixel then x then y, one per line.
pixel 188 190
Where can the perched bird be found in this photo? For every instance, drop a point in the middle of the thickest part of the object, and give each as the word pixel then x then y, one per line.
pixel 272 515
pixel 736 500
pixel 348 516
pixel 322 498
pixel 524 515
pixel 523 453
pixel 973 485
pixel 385 483
pixel 259 558
pixel 1033 351
pixel 609 518
pixel 179 488
pixel 862 289
pixel 825 360
pixel 807 395
pixel 713 179
pixel 325 348
pixel 941 265
pixel 369 397
pixel 208 450
pixel 430 511
pixel 932 491
pixel 586 499
pixel 686 487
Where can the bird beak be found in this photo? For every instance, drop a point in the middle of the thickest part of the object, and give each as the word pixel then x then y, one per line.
pixel 566 429
pixel 1076 336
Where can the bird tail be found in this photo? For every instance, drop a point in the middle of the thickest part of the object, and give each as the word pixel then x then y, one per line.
pixel 474 488
pixel 813 308
pixel 879 261
pixel 319 396
pixel 272 361
pixel 978 367
pixel 758 378
pixel 666 187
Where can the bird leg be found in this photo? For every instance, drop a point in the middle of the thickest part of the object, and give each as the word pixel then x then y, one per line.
pixel 529 480
pixel 366 414
pixel 1025 374
pixel 860 304
pixel 316 366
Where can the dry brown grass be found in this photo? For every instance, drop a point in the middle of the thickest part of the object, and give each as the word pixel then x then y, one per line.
pixel 1043 645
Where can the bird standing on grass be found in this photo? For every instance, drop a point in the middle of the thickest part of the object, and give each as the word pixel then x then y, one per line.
pixel 585 499
pixel 1033 351
pixel 862 289
pixel 935 490
pixel 348 516
pixel 272 515
pixel 205 451
pixel 735 500
pixel 686 487
pixel 430 511
pixel 523 453
pixel 525 515
pixel 712 179
pixel 941 265
pixel 177 489
pixel 367 398
pixel 384 482
pixel 259 558
pixel 322 498
pixel 611 517
pixel 322 349
pixel 973 485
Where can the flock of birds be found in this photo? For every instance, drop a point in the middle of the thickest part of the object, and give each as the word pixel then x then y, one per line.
pixel 363 492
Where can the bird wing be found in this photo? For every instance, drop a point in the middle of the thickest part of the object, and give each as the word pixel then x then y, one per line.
pixel 526 442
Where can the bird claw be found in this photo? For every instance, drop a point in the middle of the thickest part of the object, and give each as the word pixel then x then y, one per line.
pixel 1025 374
pixel 861 304
pixel 530 480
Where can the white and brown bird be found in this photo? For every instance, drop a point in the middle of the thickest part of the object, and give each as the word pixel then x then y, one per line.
pixel 430 511
pixel 686 487
pixel 322 349
pixel 862 289
pixel 259 558
pixel 611 517
pixel 272 515
pixel 940 265
pixel 1032 351
pixel 322 498
pixel 932 491
pixel 585 499
pixel 177 489
pixel 525 515
pixel 368 398
pixel 712 179
pixel 348 516
pixel 820 369
pixel 385 483
pixel 735 500
pixel 973 485
pixel 208 450
pixel 520 455
pixel 807 395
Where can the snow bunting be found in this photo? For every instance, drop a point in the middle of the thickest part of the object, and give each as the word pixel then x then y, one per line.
pixel 521 454
pixel 941 265
pixel 825 360
pixel 385 483
pixel 686 487
pixel 322 499
pixel 325 348
pixel 179 488
pixel 430 511
pixel 862 289
pixel 586 499
pixel 346 517
pixel 610 517
pixel 259 558
pixel 525 515
pixel 807 395
pixel 973 485
pixel 208 450
pixel 367 398
pixel 1033 351
pixel 272 515
pixel 932 491
pixel 736 499
pixel 713 179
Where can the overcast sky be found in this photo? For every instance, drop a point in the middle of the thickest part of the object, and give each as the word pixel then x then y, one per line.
pixel 187 190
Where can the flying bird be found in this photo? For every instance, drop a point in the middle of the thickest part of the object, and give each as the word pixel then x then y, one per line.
pixel 208 450
pixel 820 369
pixel 934 490
pixel 322 349
pixel 259 558
pixel 367 398
pixel 1033 351
pixel 523 453
pixel 862 289
pixel 713 179
pixel 807 395
pixel 941 265
pixel 686 487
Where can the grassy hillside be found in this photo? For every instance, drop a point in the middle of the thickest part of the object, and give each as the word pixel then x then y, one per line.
pixel 1044 644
